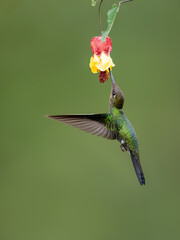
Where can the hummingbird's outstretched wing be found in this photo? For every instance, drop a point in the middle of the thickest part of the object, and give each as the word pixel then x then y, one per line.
pixel 138 168
pixel 95 124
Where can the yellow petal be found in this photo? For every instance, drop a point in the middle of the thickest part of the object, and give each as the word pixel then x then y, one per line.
pixel 93 63
pixel 105 62
pixel 101 63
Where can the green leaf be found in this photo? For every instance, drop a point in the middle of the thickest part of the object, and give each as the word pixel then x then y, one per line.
pixel 93 2
pixel 111 17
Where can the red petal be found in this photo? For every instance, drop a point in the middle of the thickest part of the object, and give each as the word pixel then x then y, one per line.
pixel 98 46
pixel 107 46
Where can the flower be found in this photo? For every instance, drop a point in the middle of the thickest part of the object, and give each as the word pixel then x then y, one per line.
pixel 101 60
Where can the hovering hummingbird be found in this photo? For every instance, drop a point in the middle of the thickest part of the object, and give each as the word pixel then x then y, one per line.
pixel 112 125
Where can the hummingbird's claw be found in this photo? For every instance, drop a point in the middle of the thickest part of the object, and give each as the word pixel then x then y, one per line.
pixel 123 146
pixel 123 149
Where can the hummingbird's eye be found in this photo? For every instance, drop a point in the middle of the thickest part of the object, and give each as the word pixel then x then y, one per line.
pixel 113 94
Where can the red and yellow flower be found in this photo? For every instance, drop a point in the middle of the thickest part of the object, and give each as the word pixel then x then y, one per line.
pixel 101 61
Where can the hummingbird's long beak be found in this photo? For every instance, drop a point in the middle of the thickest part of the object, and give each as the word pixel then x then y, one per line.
pixel 112 78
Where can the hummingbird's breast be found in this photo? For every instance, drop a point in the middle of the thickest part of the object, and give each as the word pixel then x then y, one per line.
pixel 126 132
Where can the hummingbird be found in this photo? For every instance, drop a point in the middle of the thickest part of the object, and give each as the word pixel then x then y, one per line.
pixel 113 125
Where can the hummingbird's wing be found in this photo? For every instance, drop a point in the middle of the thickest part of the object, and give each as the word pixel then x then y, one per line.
pixel 138 168
pixel 95 124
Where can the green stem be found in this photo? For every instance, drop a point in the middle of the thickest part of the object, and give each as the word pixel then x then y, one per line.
pixel 124 1
pixel 100 17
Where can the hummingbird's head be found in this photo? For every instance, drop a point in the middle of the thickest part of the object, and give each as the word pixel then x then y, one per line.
pixel 116 96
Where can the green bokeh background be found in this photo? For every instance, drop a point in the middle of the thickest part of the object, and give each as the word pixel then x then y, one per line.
pixel 57 182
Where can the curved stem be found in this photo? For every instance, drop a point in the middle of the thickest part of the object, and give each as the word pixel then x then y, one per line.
pixel 124 1
pixel 100 17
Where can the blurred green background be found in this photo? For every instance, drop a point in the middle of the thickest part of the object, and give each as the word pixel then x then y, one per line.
pixel 57 182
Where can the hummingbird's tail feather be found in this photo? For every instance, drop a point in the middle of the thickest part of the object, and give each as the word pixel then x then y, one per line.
pixel 138 168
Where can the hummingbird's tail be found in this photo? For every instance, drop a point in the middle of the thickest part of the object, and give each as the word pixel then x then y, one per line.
pixel 138 168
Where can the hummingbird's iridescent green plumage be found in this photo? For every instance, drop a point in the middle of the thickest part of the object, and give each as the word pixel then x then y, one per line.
pixel 113 125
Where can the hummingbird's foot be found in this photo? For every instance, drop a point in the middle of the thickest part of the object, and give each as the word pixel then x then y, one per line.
pixel 123 146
